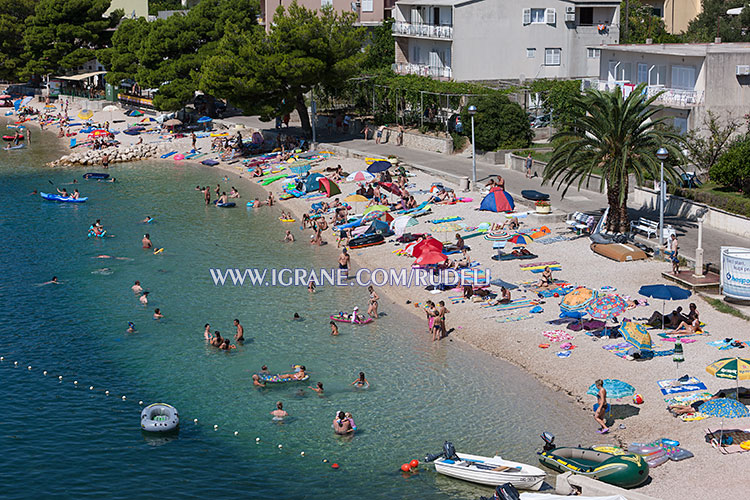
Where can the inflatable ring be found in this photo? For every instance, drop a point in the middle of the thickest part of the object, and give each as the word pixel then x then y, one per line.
pixel 745 445
pixel 544 346
pixel 158 251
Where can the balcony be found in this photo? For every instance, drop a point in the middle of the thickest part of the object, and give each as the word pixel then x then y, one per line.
pixel 673 98
pixel 439 72
pixel 401 28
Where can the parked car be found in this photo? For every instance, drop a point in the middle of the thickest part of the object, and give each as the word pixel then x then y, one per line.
pixel 16 90
pixel 541 121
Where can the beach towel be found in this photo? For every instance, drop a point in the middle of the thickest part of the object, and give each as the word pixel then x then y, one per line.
pixel 516 304
pixel 533 265
pixel 686 399
pixel 620 349
pixel 548 240
pixel 512 318
pixel 558 335
pixel 560 291
pixel 674 386
pixel 538 271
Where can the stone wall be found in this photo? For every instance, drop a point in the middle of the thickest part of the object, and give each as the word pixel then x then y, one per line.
pixel 115 154
pixel 691 210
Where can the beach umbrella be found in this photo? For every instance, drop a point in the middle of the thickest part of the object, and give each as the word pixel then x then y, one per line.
pixel 497 236
pixel 606 306
pixel 379 166
pixel 50 106
pixel 110 108
pixel 301 169
pixel 378 208
pixel 426 245
pixel 372 215
pixel 665 293
pixel 355 198
pixel 521 239
pixel 427 258
pixel 731 368
pixel 578 299
pixel 616 389
pixel 85 114
pixel 205 119
pixel 360 176
pixel 329 187
pixel 498 200
pixel 98 132
pixel 173 122
pixel 134 112
pixel 636 335
pixel 400 224
pixel 723 408
pixel 446 227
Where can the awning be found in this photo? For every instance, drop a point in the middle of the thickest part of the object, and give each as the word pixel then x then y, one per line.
pixel 81 77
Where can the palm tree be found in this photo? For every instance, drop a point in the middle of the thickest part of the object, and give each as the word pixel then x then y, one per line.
pixel 614 137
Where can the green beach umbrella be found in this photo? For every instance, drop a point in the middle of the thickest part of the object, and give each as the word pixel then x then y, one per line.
pixel 731 368
pixel 376 208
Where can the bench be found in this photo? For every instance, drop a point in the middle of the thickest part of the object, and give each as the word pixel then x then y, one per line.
pixel 651 228
pixel 579 221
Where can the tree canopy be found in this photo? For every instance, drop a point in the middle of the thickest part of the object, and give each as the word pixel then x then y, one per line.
pixel 642 24
pixel 558 98
pixel 498 123
pixel 13 15
pixel 381 49
pixel 732 168
pixel 614 137
pixel 714 21
pixel 64 34
pixel 269 73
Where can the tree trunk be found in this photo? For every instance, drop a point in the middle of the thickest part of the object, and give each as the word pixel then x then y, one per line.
pixel 617 220
pixel 304 118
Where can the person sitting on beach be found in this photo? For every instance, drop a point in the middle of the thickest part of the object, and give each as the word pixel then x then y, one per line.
pixel 233 193
pixel 504 297
pixel 546 280
pixel 688 328
pixel 693 313
pixel 158 314
pixel 459 242
pixel 677 410
pixel 411 204
pixel 341 424
pixel 318 387
pixel 279 413
pixel 464 262
pixel 361 382
pixel 468 291
pixel 298 375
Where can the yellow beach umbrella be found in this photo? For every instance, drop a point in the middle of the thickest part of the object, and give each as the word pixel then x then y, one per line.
pixel 355 198
pixel 731 368
pixel 85 114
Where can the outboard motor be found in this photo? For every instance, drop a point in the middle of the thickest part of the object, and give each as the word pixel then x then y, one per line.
pixel 549 441
pixel 507 491
pixel 449 451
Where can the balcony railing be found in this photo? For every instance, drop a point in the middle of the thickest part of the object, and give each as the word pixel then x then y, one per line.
pixel 442 72
pixel 681 98
pixel 423 30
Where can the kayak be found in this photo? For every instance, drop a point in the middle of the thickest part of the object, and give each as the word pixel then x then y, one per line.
pixel 95 175
pixel 57 197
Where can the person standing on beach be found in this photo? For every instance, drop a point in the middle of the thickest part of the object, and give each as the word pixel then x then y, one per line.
pixel 28 136
pixel 442 311
pixel 105 161
pixel 601 410
pixel 344 262
pixel 240 335
pixel 193 138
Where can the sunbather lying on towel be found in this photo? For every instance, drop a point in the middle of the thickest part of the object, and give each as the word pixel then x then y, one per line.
pixel 692 407
pixel 692 327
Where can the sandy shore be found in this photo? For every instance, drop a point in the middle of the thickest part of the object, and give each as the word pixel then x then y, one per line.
pixel 518 341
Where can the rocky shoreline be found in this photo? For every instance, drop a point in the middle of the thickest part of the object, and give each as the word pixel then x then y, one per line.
pixel 115 154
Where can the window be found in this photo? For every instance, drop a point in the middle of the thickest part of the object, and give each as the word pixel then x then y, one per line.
pixel 552 57
pixel 531 53
pixel 586 16
pixel 539 16
pixel 366 5
pixel 658 75
pixel 550 16
pixel 683 77
pixel 593 53
pixel 642 73
pixel 656 11
pixel 436 16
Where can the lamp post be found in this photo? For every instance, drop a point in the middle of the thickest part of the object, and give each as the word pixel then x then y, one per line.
pixel 472 112
pixel 662 154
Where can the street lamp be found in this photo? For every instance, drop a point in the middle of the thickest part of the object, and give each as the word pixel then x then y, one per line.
pixel 472 112
pixel 662 154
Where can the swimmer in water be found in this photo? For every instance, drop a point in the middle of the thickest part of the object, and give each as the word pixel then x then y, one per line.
pixel 296 317
pixel 240 335
pixel 144 298
pixel 137 288
pixel 334 329
pixel 34 192
pixel 257 382
pixel 311 286
pixel 147 219
pixel 53 281
pixel 318 387
pixel 279 413
pixel 217 340
pixel 158 314
pixel 361 382
pixel 288 237
pixel 264 370
pixel 207 333
pixel 131 327
pixel 225 346
pixel 146 241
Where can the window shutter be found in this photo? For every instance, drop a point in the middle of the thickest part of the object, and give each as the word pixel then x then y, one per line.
pixel 366 5
pixel 526 16
pixel 551 15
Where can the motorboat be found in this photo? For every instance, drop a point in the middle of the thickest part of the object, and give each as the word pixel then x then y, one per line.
pixel 491 471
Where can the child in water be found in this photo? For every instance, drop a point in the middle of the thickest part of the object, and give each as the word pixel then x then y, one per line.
pixel 361 382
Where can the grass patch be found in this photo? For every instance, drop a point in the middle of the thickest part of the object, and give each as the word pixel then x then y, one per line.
pixel 725 308
pixel 719 197
pixel 543 156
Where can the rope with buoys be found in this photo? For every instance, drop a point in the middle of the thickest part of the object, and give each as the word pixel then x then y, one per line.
pixel 123 397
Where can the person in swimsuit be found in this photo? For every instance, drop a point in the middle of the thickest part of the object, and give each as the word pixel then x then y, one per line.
pixel 442 311
pixel 361 382
pixel 53 281
pixel 257 382
pixel 599 413
pixel 146 241
pixel 75 194
pixel 344 262
pixel 225 345
pixel 207 195
pixel 158 314
pixel 372 309
pixel 289 237
pixel 223 198
pixel 279 412
pixel 144 298
pixel 240 335
pixel 341 424
pixel 207 332
pixel 137 288
pixel 318 387
pixel 131 327
pixel 334 329
pixel 692 407
pixel 294 376
pixel 105 161
pixel 63 193
pixel 546 279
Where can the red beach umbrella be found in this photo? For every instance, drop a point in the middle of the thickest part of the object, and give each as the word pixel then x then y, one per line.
pixel 427 245
pixel 427 258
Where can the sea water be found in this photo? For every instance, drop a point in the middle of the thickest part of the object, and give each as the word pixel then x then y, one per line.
pixel 62 440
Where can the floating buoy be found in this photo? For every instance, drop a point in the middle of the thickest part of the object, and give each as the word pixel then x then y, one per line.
pixel 75 382
pixel 195 420
pixel 302 453
pixel 405 467
pixel 257 440
pixel 91 387
pixel 140 403
pixel 123 398
pixel 59 378
pixel 334 466
pixel 2 358
pixel 325 460
pixel 29 367
pixel 236 433
pixel 216 427
pixel 280 446
pixel 15 363
pixel 44 373
pixel 414 464
pixel 106 393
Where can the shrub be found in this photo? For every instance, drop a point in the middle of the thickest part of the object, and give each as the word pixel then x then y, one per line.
pixel 459 141
pixel 730 203
pixel 732 169
pixel 498 123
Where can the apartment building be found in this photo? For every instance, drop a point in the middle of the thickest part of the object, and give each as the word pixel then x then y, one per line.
pixel 369 12
pixel 690 78
pixel 470 40
pixel 677 14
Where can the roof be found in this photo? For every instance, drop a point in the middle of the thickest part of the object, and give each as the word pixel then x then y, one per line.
pixel 682 49
pixel 442 3
pixel 81 77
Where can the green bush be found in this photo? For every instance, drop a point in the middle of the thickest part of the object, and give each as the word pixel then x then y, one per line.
pixel 733 169
pixel 729 202
pixel 498 123
pixel 459 141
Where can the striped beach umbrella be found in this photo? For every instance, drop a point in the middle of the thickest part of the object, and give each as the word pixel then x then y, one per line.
pixel 376 208
pixel 360 176
pixel 521 239
pixel 497 236
pixel 578 299
pixel 606 306
pixel 731 368
pixel 446 227
pixel 636 335
pixel 85 114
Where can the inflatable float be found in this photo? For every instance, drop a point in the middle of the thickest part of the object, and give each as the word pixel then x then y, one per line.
pixel 12 137
pixel 17 146
pixel 342 317
pixel 277 378
pixel 620 252
pixel 367 240
pixel 229 204
pixel 95 175
pixel 626 471
pixel 210 162
pixel 160 417
pixel 63 199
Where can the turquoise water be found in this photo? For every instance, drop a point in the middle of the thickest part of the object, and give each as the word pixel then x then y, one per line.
pixel 65 441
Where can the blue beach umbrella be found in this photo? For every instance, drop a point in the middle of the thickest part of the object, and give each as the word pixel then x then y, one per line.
pixel 615 388
pixel 379 166
pixel 300 169
pixel 723 408
pixel 205 119
pixel 665 293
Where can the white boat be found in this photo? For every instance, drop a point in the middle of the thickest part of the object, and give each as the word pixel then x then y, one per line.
pixel 491 471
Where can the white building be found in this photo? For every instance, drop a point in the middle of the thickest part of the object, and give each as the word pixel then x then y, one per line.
pixel 691 78
pixel 503 39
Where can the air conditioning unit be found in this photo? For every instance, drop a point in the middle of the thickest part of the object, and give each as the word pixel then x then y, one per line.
pixel 570 17
pixel 743 69
pixel 570 9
